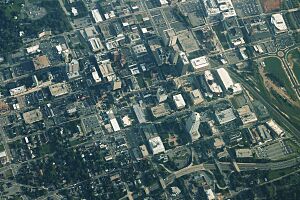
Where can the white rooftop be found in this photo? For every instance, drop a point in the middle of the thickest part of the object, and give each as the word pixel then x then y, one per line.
pixel 163 2
pixel 179 101
pixel 96 44
pixel 106 70
pixel 96 76
pixel 2 154
pixel 126 121
pixel 96 15
pixel 199 62
pixel 278 22
pixel 33 49
pixel 213 86
pixel 208 75
pixel 184 58
pixel 237 88
pixel 210 194
pixel 225 78
pixel 156 145
pixel 115 125
pixel 74 11
pixel 275 127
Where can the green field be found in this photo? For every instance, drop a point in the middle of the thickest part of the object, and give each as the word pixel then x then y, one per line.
pixel 278 101
pixel 44 149
pixel 294 55
pixel 296 37
pixel 277 74
pixel 278 173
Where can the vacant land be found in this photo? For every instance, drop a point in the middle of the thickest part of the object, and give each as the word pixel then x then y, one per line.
pixel 270 5
pixel 277 74
pixel 277 100
pixel 294 60
pixel 279 173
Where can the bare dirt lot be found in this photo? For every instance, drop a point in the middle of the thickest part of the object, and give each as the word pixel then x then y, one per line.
pixel 270 5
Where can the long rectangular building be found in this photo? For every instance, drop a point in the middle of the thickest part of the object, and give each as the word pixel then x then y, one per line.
pixel 140 115
pixel 225 78
pixel 96 15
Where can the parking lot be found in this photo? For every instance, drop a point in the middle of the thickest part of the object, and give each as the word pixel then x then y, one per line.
pixel 284 41
pixel 270 47
pixel 152 4
pixel 158 20
pixel 246 8
pixel 275 151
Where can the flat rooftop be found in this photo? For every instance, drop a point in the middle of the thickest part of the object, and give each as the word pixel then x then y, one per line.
pixel 91 123
pixel 59 89
pixel 196 97
pixel 179 101
pixel 32 116
pixel 41 62
pixel 200 62
pixel 160 110
pixel 225 116
pixel 156 145
pixel 188 42
pixel 243 153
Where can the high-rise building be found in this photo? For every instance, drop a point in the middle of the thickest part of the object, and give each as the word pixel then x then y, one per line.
pixel 161 95
pixel 169 37
pixel 183 63
pixel 192 125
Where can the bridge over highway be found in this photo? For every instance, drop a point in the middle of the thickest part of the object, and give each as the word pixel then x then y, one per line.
pixel 227 166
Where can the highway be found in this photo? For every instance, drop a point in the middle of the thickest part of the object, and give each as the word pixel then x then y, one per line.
pixel 227 166
pixel 290 72
pixel 271 108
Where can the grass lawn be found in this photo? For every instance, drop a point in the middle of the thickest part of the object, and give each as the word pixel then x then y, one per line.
pixel 278 173
pixel 139 17
pixel 271 190
pixel 295 58
pixel 45 149
pixel 274 68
